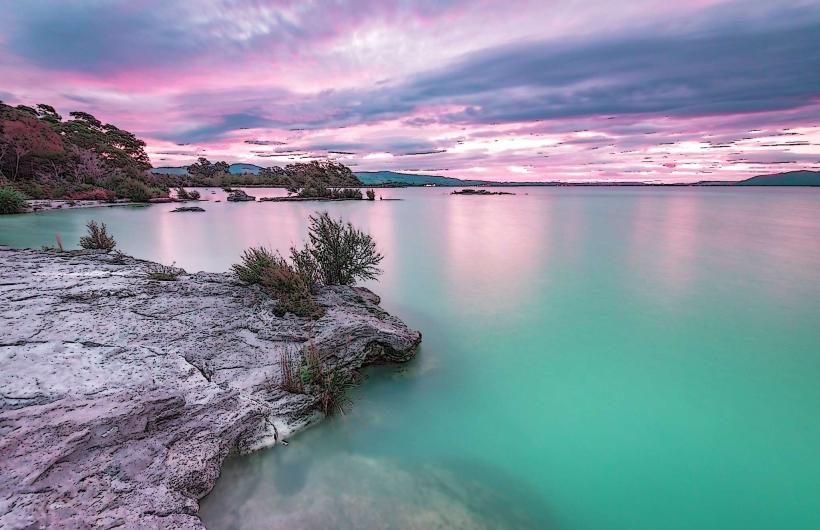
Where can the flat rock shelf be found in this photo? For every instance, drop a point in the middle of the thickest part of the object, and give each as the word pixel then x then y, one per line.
pixel 121 396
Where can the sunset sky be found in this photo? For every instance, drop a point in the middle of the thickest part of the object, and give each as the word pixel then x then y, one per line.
pixel 510 90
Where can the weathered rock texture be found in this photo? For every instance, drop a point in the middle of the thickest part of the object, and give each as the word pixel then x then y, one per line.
pixel 121 396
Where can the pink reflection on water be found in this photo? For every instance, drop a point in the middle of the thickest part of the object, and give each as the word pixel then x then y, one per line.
pixel 487 240
pixel 664 240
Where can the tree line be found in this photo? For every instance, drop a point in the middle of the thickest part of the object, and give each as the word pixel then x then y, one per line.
pixel 295 177
pixel 45 156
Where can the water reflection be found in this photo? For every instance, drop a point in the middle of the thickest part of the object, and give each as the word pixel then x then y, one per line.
pixel 494 251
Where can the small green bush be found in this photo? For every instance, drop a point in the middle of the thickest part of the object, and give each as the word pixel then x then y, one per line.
pixel 291 290
pixel 333 392
pixel 98 237
pixel 11 200
pixel 289 284
pixel 135 190
pixel 254 261
pixel 343 254
pixel 309 376
pixel 371 195
pixel 305 265
pixel 337 254
pixel 291 382
pixel 310 371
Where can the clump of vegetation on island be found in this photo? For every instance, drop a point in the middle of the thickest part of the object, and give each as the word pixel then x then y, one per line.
pixel 320 191
pixel 480 192
pixel 336 254
pixel 296 176
pixel 11 200
pixel 98 238
pixel 45 156
pixel 185 195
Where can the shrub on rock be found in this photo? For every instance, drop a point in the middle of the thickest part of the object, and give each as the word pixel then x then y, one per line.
pixel 343 254
pixel 98 237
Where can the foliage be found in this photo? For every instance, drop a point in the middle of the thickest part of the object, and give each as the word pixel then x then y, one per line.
pixel 292 291
pixel 93 194
pixel 305 265
pixel 291 382
pixel 98 237
pixel 11 200
pixel 48 157
pixel 337 254
pixel 254 261
pixel 134 190
pixel 184 195
pixel 289 284
pixel 293 176
pixel 343 254
pixel 371 195
pixel 331 387
pixel 163 273
pixel 204 169
pixel 310 370
pixel 333 391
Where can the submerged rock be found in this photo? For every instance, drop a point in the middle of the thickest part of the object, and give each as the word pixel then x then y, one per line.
pixel 122 396
pixel 239 196
pixel 188 209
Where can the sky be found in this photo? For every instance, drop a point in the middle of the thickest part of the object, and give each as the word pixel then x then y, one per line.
pixel 518 90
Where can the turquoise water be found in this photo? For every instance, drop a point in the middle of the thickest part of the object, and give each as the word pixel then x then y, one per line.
pixel 625 359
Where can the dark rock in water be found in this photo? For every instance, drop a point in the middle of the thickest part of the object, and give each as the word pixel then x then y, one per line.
pixel 122 396
pixel 480 192
pixel 188 209
pixel 239 196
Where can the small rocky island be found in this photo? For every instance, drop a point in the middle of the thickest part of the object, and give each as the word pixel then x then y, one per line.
pixel 480 192
pixel 320 192
pixel 122 395
pixel 239 196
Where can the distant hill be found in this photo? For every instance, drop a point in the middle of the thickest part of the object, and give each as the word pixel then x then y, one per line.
pixel 373 178
pixel 236 169
pixel 790 178
pixel 166 170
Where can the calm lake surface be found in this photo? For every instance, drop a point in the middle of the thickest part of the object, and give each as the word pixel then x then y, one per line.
pixel 593 359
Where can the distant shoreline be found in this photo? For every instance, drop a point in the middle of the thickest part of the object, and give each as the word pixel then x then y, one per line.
pixel 727 184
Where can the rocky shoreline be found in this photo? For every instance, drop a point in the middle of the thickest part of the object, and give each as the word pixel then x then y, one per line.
pixel 39 205
pixel 122 396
